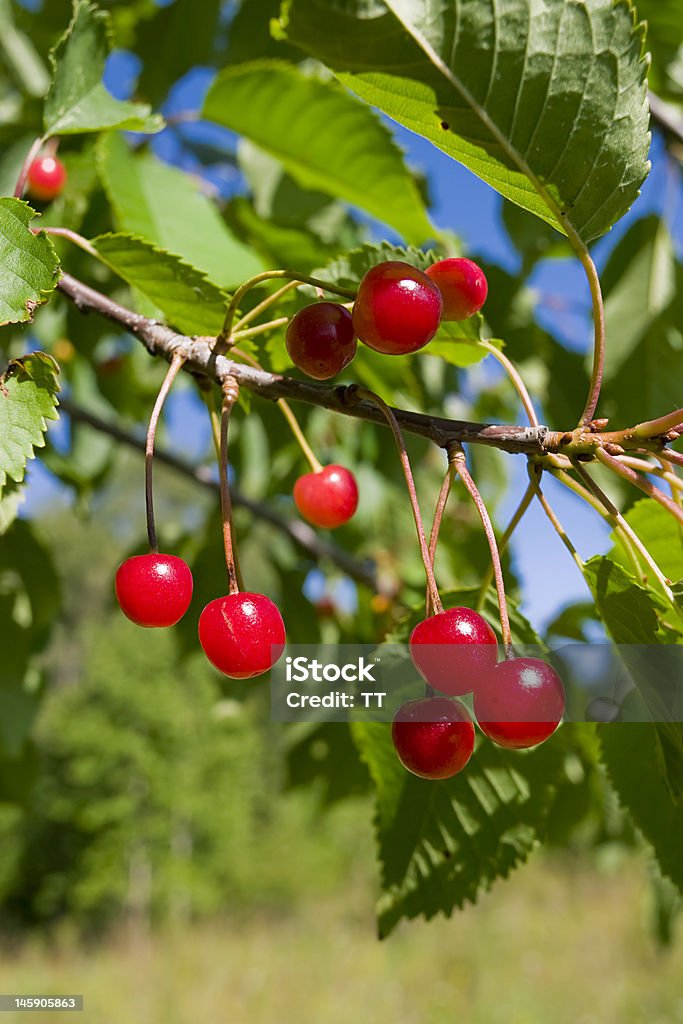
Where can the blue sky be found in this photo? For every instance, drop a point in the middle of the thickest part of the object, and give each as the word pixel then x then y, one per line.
pixel 465 205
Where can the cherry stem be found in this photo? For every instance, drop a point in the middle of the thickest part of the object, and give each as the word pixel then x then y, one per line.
pixel 515 520
pixel 33 152
pixel 271 325
pixel 171 374
pixel 436 522
pixel 457 455
pixel 271 275
pixel 286 410
pixel 643 466
pixel 670 456
pixel 590 499
pixel 516 379
pixel 265 304
pixel 660 426
pixel 388 414
pixel 72 236
pixel 645 485
pixel 599 344
pixel 630 532
pixel 535 473
pixel 230 389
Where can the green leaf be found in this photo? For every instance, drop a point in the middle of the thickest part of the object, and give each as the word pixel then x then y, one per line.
pixel 347 269
pixel 28 398
pixel 20 57
pixel 442 843
pixel 186 36
pixel 184 295
pixel 28 263
pixel 546 103
pixel 659 532
pixel 663 40
pixel 639 283
pixel 631 754
pixel 77 100
pixel 325 139
pixel 164 206
pixel 627 609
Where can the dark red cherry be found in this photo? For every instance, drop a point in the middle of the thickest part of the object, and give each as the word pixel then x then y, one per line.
pixel 327 498
pixel 242 635
pixel 519 703
pixel 433 737
pixel 453 649
pixel 463 286
pixel 397 309
pixel 154 590
pixel 320 339
pixel 46 178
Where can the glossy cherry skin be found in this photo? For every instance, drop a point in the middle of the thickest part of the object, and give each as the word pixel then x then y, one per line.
pixel 327 498
pixel 463 286
pixel 453 649
pixel 397 309
pixel 433 737
pixel 320 339
pixel 154 590
pixel 519 703
pixel 46 178
pixel 242 635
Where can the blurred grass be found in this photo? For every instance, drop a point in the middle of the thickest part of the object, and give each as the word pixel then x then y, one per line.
pixel 562 943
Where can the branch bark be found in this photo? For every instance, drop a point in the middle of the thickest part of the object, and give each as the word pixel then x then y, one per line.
pixel 200 359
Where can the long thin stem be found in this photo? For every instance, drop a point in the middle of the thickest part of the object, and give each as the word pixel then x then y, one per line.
pixel 661 470
pixel 515 520
pixel 33 152
pixel 557 525
pixel 516 379
pixel 464 474
pixel 670 456
pixel 171 374
pixel 265 304
pixel 388 413
pixel 272 275
pixel 642 483
pixel 590 499
pixel 599 343
pixel 286 410
pixel 72 236
pixel 230 395
pixel 250 332
pixel 635 539
pixel 660 426
pixel 441 503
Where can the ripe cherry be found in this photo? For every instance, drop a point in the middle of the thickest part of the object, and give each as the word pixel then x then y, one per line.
pixel 242 635
pixel 154 590
pixel 46 178
pixel 433 737
pixel 453 649
pixel 397 309
pixel 463 286
pixel 519 703
pixel 320 339
pixel 327 498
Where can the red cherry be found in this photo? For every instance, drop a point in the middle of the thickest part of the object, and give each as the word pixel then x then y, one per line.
pixel 320 339
pixel 154 590
pixel 397 309
pixel 519 703
pixel 463 286
pixel 242 635
pixel 433 737
pixel 46 178
pixel 327 498
pixel 451 650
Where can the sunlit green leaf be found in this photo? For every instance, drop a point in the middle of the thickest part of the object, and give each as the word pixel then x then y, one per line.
pixel 28 264
pixel 28 398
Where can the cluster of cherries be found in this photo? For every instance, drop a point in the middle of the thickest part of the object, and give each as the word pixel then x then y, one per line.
pixel 398 310
pixel 518 702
